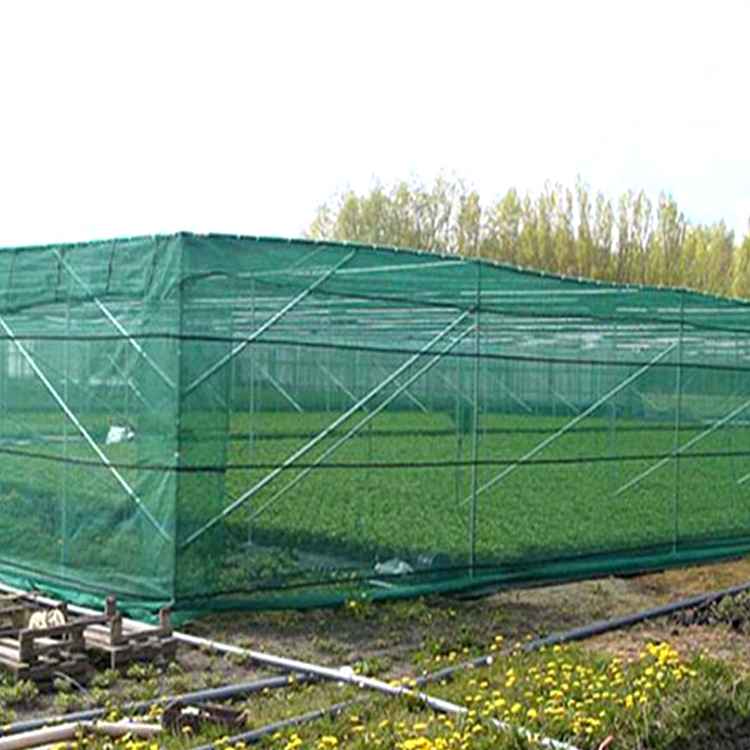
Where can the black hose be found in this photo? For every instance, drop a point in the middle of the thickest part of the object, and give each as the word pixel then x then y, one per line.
pixel 256 735
pixel 575 634
pixel 615 623
pixel 199 696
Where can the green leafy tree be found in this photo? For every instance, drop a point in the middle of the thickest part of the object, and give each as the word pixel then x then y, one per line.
pixel 741 268
pixel 574 232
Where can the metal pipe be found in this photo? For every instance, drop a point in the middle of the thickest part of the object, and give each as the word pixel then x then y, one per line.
pixel 84 432
pixel 208 695
pixel 369 683
pixel 336 674
pixel 233 506
pixel 64 732
pixel 260 331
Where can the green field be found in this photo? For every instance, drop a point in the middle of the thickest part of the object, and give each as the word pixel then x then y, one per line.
pixel 336 523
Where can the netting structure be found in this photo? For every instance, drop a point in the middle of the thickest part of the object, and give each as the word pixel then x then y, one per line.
pixel 214 421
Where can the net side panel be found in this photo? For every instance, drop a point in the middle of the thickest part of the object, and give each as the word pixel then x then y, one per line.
pixel 401 423
pixel 88 414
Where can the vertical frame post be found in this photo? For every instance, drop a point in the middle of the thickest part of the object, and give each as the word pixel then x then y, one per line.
pixel 475 441
pixel 66 465
pixel 677 424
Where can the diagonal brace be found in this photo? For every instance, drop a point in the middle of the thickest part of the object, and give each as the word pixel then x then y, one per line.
pixel 115 322
pixel 84 432
pixel 456 389
pixel 260 331
pixel 133 387
pixel 564 400
pixel 408 394
pixel 337 381
pixel 280 388
pixel 291 460
pixel 690 443
pixel 499 380
pixel 358 427
pixel 573 422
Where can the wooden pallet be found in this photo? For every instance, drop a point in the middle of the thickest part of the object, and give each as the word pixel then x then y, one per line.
pixel 14 611
pixel 125 644
pixel 41 654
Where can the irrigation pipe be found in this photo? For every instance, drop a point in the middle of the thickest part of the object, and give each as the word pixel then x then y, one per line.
pixel 337 674
pixel 347 675
pixel 344 675
pixel 64 732
pixel 616 623
pixel 574 634
pixel 199 696
pixel 445 707
pixel 341 674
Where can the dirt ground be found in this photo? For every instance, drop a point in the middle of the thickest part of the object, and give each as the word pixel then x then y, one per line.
pixel 401 630
pixel 404 637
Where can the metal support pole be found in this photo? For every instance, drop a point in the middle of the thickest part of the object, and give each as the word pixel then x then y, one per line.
pixel 270 322
pixel 114 321
pixel 233 506
pixel 66 466
pixel 573 422
pixel 251 427
pixel 475 425
pixel 677 425
pixel 458 473
pixel 84 433
pixel 366 420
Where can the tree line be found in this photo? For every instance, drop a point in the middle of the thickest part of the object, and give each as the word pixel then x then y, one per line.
pixel 570 231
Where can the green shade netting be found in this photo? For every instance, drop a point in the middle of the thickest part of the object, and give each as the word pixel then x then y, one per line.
pixel 213 422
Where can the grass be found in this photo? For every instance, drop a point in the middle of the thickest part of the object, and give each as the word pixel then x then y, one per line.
pixel 404 639
pixel 659 700
pixel 536 511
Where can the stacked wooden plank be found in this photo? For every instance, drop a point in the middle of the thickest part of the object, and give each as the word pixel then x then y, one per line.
pixel 14 611
pixel 40 654
pixel 124 644
pixel 68 645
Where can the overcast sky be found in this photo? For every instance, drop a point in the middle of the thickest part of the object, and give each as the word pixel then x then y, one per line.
pixel 141 117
